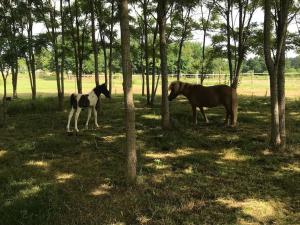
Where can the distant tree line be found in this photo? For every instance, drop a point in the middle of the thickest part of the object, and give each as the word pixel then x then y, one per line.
pixel 190 62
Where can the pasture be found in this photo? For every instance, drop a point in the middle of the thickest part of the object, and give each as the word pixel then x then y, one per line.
pixel 204 174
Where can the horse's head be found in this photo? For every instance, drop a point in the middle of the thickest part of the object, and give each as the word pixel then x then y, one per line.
pixel 176 89
pixel 102 89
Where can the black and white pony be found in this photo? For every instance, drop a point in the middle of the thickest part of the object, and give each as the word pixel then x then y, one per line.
pixel 80 101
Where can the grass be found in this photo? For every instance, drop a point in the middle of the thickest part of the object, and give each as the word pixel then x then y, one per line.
pixel 204 174
pixel 251 86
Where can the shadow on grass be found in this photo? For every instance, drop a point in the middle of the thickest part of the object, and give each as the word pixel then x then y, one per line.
pixel 204 174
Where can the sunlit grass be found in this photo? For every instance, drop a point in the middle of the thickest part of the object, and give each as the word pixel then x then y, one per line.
pixel 63 177
pixel 2 153
pixel 103 189
pixel 41 164
pixel 260 211
pixel 30 191
pixel 231 155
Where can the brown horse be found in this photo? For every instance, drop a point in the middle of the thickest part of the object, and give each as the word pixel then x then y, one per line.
pixel 200 96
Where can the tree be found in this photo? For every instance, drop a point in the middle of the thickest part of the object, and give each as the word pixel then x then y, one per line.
pixel 48 13
pixel 165 113
pixel 14 16
pixel 6 53
pixel 79 38
pixel 205 25
pixel 237 36
pixel 111 40
pixel 30 53
pixel 184 28
pixel 95 47
pixel 276 65
pixel 128 93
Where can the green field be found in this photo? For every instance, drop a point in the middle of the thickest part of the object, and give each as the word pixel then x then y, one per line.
pixel 204 174
pixel 256 85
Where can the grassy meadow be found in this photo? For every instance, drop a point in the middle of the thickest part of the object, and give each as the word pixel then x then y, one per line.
pixel 257 85
pixel 204 174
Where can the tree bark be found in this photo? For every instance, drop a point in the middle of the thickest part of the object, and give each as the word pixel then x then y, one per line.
pixel 276 72
pixel 153 92
pixel 128 93
pixel 145 21
pixel 79 49
pixel 110 46
pixel 31 57
pixel 4 78
pixel 95 48
pixel 76 46
pixel 14 73
pixel 281 34
pixel 204 28
pixel 228 32
pixel 162 5
pixel 179 58
pixel 183 36
pixel 62 65
pixel 142 63
pixel 103 44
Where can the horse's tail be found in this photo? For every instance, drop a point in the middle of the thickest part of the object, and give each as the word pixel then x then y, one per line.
pixel 234 107
pixel 73 101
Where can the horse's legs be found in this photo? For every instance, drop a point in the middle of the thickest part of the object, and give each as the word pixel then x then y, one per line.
pixel 203 114
pixel 88 118
pixel 69 119
pixel 95 115
pixel 76 118
pixel 194 108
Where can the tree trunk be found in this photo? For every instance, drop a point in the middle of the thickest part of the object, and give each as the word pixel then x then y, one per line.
pixel 179 58
pixel 183 36
pixel 31 57
pixel 203 57
pixel 104 57
pixel 275 134
pixel 62 65
pixel 154 63
pixel 145 20
pixel 56 60
pixel 4 78
pixel 79 50
pixel 162 5
pixel 228 32
pixel 74 34
pixel 142 64
pixel 281 99
pixel 15 72
pixel 110 47
pixel 281 34
pixel 128 93
pixel 95 48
